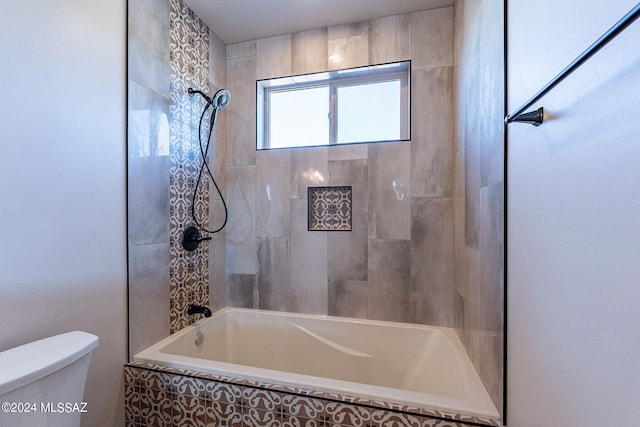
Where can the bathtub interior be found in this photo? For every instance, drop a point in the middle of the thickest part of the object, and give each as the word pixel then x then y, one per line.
pixel 383 360
pixel 415 360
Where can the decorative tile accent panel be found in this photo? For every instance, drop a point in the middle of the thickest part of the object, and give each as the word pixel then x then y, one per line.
pixel 159 396
pixel 330 208
pixel 189 67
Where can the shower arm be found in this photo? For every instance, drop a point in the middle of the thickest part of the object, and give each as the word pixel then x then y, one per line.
pixel 204 95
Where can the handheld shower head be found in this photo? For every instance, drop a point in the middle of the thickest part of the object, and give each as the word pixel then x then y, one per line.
pixel 191 236
pixel 221 99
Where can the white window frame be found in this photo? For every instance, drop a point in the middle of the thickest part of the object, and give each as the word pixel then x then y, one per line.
pixel 334 80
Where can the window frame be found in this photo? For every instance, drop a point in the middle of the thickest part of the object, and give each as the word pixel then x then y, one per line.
pixel 372 74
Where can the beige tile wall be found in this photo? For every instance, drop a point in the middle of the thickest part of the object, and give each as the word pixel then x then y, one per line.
pixel 170 50
pixel 479 187
pixel 384 268
pixel 148 172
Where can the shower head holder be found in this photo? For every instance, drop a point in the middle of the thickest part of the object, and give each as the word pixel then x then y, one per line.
pixel 220 100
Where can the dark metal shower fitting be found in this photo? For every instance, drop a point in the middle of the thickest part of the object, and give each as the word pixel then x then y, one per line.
pixel 532 117
pixel 219 101
pixel 191 238
pixel 198 309
pixel 204 95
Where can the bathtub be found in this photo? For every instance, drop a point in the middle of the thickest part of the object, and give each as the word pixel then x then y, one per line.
pixel 403 365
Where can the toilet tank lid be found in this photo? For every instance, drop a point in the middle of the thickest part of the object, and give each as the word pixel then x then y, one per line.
pixel 27 363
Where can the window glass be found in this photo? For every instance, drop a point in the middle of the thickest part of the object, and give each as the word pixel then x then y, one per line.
pixel 366 104
pixel 369 112
pixel 299 118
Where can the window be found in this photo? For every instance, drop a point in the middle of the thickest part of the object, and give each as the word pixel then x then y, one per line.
pixel 367 104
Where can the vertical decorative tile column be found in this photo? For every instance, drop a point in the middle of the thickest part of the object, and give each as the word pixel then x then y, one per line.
pixel 189 68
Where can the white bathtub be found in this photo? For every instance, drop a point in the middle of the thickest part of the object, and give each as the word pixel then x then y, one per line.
pixel 404 364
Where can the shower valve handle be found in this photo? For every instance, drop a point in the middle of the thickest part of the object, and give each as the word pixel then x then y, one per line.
pixel 192 238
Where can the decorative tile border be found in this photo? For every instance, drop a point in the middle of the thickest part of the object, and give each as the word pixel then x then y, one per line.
pixel 329 208
pixel 189 67
pixel 155 393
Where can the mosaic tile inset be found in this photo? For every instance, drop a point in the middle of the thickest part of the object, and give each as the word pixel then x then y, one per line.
pixel 329 208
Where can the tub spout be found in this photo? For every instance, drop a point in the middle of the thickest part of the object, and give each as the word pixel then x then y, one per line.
pixel 195 309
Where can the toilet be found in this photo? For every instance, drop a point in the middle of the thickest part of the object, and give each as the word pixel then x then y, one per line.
pixel 42 382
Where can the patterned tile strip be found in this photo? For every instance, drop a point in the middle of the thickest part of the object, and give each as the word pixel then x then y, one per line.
pixel 156 394
pixel 189 67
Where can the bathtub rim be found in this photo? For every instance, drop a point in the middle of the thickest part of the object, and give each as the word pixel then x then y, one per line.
pixel 484 408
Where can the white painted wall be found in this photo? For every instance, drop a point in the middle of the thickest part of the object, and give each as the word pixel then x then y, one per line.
pixel 62 183
pixel 574 220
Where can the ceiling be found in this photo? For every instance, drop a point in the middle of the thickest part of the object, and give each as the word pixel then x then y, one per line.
pixel 241 20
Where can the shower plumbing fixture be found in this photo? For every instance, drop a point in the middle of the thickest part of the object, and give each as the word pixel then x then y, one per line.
pixel 191 236
pixel 198 309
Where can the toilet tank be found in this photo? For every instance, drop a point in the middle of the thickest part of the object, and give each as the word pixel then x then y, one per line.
pixel 42 382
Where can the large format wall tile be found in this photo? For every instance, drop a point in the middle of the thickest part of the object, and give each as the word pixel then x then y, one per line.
pixel 348 45
pixel 148 38
pixel 217 273
pixel 241 289
pixel 308 263
pixel 274 273
pixel 241 50
pixel 309 168
pixel 347 298
pixel 273 189
pixel 241 114
pixel 148 166
pixel 273 57
pixel 432 133
pixel 492 252
pixel 148 295
pixel 491 287
pixel 390 39
pixel 432 261
pixel 389 277
pixel 309 51
pixel 347 251
pixel 148 200
pixel 217 61
pixel 241 227
pixel 472 186
pixel 432 38
pixel 348 152
pixel 389 191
